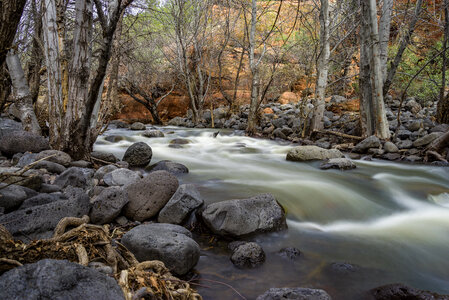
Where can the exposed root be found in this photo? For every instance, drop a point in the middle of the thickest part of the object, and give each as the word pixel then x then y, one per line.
pixel 69 221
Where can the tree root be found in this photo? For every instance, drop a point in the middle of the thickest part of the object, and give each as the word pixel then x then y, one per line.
pixel 69 221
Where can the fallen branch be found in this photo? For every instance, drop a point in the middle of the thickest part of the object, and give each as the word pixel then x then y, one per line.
pixel 343 135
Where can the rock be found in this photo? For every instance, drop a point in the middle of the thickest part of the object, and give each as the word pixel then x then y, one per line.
pixel 149 195
pixel 180 205
pixel 400 291
pixel 343 268
pixel 74 177
pixel 81 164
pixel 279 134
pixel 392 156
pixel 415 125
pixel 289 252
pixel 179 141
pixel 404 144
pixel 9 124
pixel 138 155
pixel 241 217
pixel 413 158
pixel 51 167
pixel 294 294
pixel 413 106
pixel 12 196
pixel 113 138
pixel 248 255
pixel 15 141
pixel 122 220
pixel 370 142
pixel 171 244
pixel 427 139
pixel 104 156
pixel 99 174
pixel 42 199
pixel 26 159
pixel 49 188
pixel 169 166
pixel 100 267
pixel 376 152
pixel 305 153
pixel 404 134
pixel 153 133
pixel 32 181
pixel 58 279
pixel 108 205
pixel 279 122
pixel 121 177
pixel 40 221
pixel 338 163
pixel 138 126
pixel 389 147
pixel 58 157
pixel 177 121
pixel 119 124
pixel 440 128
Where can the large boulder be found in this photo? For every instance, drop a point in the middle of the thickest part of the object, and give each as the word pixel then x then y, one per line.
pixel 99 174
pixel 171 244
pixel 58 279
pixel 42 199
pixel 180 205
pixel 121 177
pixel 370 142
pixel 51 167
pixel 104 156
pixel 247 255
pixel 427 139
pixel 74 177
pixel 390 147
pixel 153 133
pixel 33 179
pixel 108 205
pixel 241 217
pixel 12 196
pixel 400 291
pixel 58 157
pixel 138 126
pixel 18 141
pixel 149 195
pixel 306 153
pixel 138 155
pixel 338 163
pixel 294 294
pixel 39 221
pixel 169 166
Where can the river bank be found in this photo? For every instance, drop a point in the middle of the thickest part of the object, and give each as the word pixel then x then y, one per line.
pixel 339 221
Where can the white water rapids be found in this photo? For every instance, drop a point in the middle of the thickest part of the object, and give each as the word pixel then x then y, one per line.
pixel 391 220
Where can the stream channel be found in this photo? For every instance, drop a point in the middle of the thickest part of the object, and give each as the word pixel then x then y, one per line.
pixel 380 223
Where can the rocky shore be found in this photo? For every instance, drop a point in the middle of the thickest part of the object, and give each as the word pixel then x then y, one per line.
pixel 39 187
pixel 417 128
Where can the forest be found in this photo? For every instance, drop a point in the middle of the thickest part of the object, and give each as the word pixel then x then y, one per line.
pixel 224 149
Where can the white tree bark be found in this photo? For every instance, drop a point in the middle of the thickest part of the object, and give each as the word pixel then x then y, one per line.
pixel 322 69
pixel 382 128
pixel 254 66
pixel 55 104
pixel 384 35
pixel 23 100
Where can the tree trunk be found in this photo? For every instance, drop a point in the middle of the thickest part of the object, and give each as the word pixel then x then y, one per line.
pixel 402 46
pixel 322 69
pixel 384 35
pixel 366 95
pixel 34 66
pixel 5 86
pixel 23 100
pixel 443 103
pixel 10 14
pixel 54 80
pixel 254 66
pixel 79 68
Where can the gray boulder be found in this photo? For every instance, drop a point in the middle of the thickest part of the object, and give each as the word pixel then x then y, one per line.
pixel 108 205
pixel 404 144
pixel 138 155
pixel 248 255
pixel 177 121
pixel 171 244
pixel 241 217
pixel 42 199
pixel 6 123
pixel 40 221
pixel 306 153
pixel 74 177
pixel 51 167
pixel 169 166
pixel 370 142
pixel 427 139
pixel 149 195
pixel 104 156
pixel 294 294
pixel 26 159
pixel 58 280
pixel 390 147
pixel 15 141
pixel 180 205
pixel 153 133
pixel 400 291
pixel 338 163
pixel 58 157
pixel 13 196
pixel 121 177
pixel 99 174
pixel 138 126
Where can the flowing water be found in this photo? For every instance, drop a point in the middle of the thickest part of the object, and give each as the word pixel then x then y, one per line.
pixel 389 221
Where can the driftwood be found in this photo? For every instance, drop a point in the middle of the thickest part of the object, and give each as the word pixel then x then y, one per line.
pixel 88 243
pixel 343 135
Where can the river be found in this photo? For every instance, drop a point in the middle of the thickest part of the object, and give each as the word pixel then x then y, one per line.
pixel 389 221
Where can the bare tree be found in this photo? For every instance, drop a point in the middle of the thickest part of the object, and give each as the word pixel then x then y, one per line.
pixel 443 103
